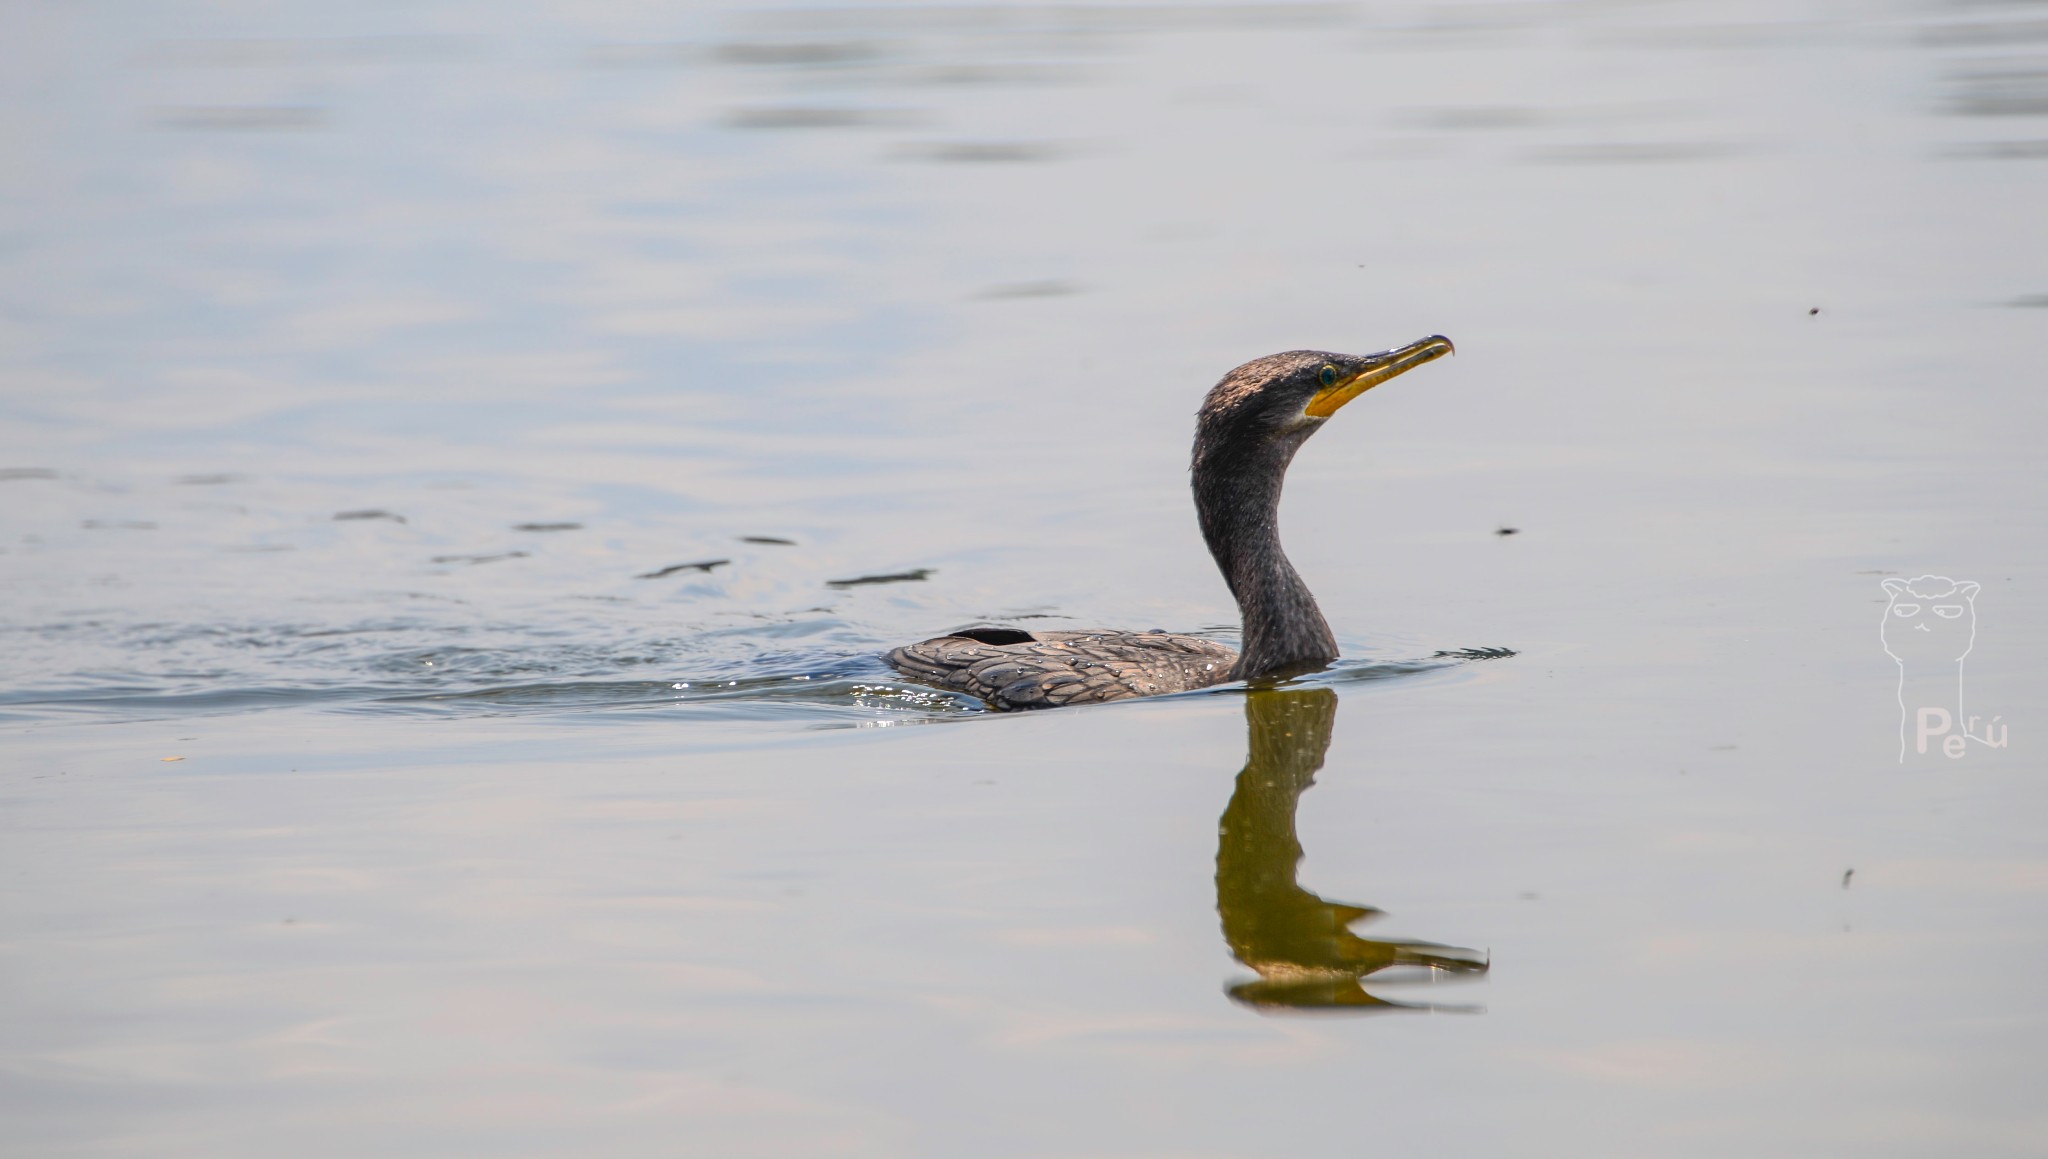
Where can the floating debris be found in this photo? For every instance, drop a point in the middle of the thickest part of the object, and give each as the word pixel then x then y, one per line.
pixel 1812 311
pixel 701 565
pixel 207 480
pixel 479 558
pixel 10 473
pixel 899 577
pixel 170 758
pixel 1508 531
pixel 370 513
pixel 773 539
pixel 1475 654
pixel 1846 875
pixel 547 527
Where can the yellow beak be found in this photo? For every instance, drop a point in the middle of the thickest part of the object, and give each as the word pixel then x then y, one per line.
pixel 1378 369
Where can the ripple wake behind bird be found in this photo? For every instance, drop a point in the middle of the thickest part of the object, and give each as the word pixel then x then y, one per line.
pixel 827 699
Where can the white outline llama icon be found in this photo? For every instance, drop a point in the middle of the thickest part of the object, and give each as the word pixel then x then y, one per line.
pixel 1929 627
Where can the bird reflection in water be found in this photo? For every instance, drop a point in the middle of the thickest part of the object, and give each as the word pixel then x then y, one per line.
pixel 1301 945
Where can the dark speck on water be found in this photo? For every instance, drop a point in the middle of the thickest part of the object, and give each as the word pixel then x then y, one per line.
pixel 1846 875
pixel 371 513
pixel 701 565
pixel 772 539
pixel 1508 531
pixel 547 527
pixel 8 474
pixel 899 577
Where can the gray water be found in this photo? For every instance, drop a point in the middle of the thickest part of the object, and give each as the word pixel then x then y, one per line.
pixel 361 796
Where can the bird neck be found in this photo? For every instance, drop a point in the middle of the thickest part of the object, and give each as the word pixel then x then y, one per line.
pixel 1237 499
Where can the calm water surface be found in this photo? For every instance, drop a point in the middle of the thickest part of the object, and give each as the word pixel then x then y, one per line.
pixel 381 776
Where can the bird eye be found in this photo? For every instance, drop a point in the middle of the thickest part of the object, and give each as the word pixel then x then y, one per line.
pixel 1948 611
pixel 1905 609
pixel 1329 375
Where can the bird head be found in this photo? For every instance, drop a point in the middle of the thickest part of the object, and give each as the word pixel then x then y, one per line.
pixel 1283 398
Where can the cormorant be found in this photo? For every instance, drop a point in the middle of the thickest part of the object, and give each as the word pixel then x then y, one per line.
pixel 1246 433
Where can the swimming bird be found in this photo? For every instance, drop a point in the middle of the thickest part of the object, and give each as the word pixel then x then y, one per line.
pixel 1246 433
